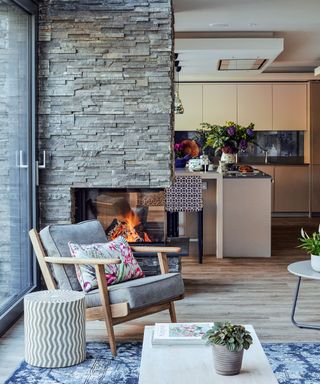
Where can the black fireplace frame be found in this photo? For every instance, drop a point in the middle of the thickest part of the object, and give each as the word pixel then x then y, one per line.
pixel 80 198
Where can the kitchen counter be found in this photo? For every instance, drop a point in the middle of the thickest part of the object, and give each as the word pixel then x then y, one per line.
pixel 204 175
pixel 227 175
pixel 257 174
pixel 243 212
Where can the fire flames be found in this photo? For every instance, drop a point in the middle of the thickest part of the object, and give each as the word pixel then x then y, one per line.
pixel 130 227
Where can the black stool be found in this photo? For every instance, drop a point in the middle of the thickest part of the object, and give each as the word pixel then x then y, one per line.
pixel 185 195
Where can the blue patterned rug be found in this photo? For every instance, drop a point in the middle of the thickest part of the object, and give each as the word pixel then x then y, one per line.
pixel 292 364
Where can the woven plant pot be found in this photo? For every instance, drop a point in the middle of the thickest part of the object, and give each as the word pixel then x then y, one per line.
pixel 226 363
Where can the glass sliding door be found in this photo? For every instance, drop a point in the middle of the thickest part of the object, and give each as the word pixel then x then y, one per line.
pixel 16 157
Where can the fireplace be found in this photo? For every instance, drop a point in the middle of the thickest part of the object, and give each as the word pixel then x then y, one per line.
pixel 136 214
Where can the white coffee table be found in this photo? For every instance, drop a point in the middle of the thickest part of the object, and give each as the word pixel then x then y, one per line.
pixel 187 364
pixel 302 269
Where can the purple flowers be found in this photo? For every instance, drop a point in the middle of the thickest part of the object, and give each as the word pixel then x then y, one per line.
pixel 179 150
pixel 243 144
pixel 231 130
pixel 250 132
pixel 178 147
pixel 229 138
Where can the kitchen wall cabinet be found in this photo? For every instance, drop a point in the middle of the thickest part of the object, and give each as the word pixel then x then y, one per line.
pixel 271 106
pixel 191 97
pixel 219 103
pixel 315 188
pixel 255 105
pixel 290 107
pixel 291 188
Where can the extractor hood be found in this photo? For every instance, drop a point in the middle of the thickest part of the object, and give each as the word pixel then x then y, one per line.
pixel 241 64
pixel 232 55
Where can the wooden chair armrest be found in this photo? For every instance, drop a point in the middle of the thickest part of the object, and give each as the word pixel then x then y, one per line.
pixel 73 261
pixel 155 249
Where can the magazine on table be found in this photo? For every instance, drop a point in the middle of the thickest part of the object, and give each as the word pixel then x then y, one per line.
pixel 180 333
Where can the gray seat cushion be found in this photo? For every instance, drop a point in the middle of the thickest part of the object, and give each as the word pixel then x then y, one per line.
pixel 142 292
pixel 55 240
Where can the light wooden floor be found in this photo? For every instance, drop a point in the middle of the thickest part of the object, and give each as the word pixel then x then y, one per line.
pixel 252 291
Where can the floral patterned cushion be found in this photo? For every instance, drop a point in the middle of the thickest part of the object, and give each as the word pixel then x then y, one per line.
pixel 115 273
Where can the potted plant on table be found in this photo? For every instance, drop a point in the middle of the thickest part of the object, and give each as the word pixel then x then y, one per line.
pixel 227 140
pixel 311 244
pixel 228 342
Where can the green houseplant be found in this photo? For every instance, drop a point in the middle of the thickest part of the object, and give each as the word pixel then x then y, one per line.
pixel 228 342
pixel 311 244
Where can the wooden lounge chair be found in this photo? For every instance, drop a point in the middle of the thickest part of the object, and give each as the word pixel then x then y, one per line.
pixel 114 304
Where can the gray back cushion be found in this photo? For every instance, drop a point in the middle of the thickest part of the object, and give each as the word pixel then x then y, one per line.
pixel 55 240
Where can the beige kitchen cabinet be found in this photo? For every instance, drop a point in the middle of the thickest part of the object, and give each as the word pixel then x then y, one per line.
pixel 219 103
pixel 291 188
pixel 315 188
pixel 269 170
pixel 255 105
pixel 191 98
pixel 290 107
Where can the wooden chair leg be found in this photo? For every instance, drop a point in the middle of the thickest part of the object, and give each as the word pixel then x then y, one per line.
pixel 102 284
pixel 172 311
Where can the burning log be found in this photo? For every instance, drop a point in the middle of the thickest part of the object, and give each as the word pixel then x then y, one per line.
pixel 127 224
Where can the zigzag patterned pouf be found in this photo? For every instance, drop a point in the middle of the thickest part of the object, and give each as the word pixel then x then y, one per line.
pixel 54 328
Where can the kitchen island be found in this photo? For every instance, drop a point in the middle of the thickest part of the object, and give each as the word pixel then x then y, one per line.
pixel 242 212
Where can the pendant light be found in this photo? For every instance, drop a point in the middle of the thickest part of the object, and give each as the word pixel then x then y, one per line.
pixel 178 107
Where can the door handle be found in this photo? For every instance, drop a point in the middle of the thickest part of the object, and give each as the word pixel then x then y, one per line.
pixel 40 166
pixel 44 162
pixel 19 160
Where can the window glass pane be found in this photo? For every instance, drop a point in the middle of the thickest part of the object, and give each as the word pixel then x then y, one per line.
pixel 15 261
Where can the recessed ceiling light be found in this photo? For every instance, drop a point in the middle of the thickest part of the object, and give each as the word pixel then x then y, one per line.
pixel 219 25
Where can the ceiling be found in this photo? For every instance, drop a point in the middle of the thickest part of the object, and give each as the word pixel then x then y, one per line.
pixel 296 21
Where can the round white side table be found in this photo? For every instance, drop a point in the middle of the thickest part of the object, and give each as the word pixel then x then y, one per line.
pixel 302 269
pixel 54 328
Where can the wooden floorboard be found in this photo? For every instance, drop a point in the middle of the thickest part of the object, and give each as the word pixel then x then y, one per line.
pixel 252 291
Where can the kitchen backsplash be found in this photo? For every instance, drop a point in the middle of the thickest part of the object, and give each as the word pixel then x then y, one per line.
pixel 278 144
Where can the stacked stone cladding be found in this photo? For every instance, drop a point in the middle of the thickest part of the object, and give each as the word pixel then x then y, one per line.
pixel 105 92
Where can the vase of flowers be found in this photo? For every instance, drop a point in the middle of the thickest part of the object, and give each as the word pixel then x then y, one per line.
pixel 227 140
pixel 311 244
pixel 180 157
pixel 228 158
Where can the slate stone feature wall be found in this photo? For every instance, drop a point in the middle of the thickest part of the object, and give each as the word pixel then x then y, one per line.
pixel 105 98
